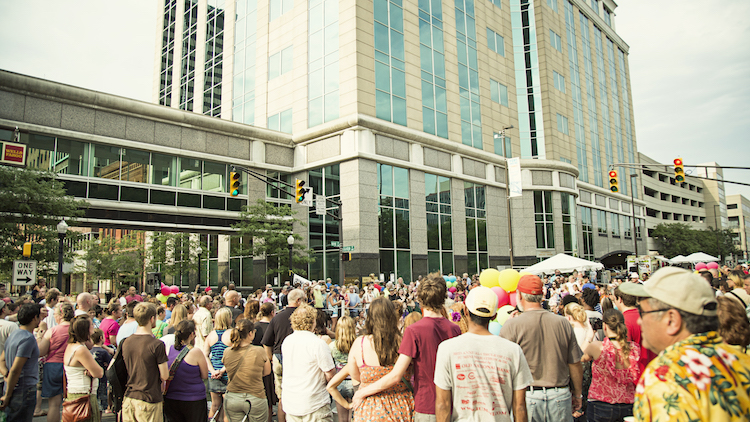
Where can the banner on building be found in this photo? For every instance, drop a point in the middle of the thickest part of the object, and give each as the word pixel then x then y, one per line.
pixel 515 182
pixel 13 153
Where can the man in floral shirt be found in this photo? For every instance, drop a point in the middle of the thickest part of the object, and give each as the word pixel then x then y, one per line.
pixel 696 376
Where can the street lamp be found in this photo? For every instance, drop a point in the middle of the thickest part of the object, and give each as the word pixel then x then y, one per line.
pixel 632 209
pixel 507 197
pixel 62 230
pixel 290 242
pixel 199 251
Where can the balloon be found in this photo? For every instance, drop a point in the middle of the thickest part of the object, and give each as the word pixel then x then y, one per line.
pixel 446 278
pixel 523 273
pixel 503 314
pixel 502 296
pixel 450 295
pixel 494 328
pixel 452 290
pixel 172 295
pixel 453 279
pixel 377 286
pixel 489 277
pixel 174 289
pixel 508 279
pixel 513 299
pixel 162 298
pixel 712 265
pixel 165 290
pixel 700 266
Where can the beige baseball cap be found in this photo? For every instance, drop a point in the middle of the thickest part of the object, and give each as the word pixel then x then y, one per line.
pixel 678 288
pixel 482 301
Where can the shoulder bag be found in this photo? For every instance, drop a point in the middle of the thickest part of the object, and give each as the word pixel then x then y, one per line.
pixel 175 365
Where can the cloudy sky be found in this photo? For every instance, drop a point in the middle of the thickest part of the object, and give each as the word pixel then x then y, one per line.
pixel 689 65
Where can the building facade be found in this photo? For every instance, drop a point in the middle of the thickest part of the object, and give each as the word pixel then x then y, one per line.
pixel 738 215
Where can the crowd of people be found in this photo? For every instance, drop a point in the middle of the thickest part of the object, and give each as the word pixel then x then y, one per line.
pixel 669 346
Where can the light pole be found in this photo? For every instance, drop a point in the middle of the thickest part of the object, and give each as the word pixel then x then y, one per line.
pixel 632 210
pixel 290 243
pixel 62 230
pixel 199 251
pixel 507 197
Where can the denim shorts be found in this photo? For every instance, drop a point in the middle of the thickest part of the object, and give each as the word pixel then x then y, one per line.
pixel 218 386
pixel 52 379
pixel 346 389
pixel 554 404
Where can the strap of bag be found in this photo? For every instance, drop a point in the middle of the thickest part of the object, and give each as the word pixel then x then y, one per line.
pixel 175 365
pixel 739 298
pixel 65 378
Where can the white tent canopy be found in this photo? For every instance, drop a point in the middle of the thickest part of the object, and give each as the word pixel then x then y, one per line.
pixel 564 263
pixel 700 257
pixel 679 259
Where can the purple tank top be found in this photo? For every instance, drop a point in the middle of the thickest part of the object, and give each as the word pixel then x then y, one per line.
pixel 187 384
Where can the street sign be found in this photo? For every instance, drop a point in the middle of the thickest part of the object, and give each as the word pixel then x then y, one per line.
pixel 24 273
pixel 335 244
pixel 348 248
pixel 320 205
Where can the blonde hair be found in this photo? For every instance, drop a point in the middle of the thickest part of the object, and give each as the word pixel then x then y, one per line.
pixel 144 312
pixel 576 311
pixel 179 314
pixel 346 332
pixel 304 318
pixel 223 319
pixel 463 319
pixel 412 318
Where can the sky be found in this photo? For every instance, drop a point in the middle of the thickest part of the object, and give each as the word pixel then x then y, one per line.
pixel 689 66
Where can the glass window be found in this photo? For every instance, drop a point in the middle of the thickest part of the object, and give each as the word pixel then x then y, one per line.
pixel 601 219
pixel 163 170
pixel 502 145
pixel 214 177
pixel 552 4
pixel 615 224
pixel 587 229
pixel 190 173
pixel 72 157
pixel 135 165
pixel 476 227
pixel 41 150
pixel 562 123
pixel 106 161
pixel 393 220
pixel 439 222
pixel 559 81
pixel 570 238
pixel 495 42
pixel 555 40
pixel 545 234
pixel 499 92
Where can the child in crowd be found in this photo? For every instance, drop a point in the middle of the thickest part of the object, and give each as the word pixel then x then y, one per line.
pixel 102 356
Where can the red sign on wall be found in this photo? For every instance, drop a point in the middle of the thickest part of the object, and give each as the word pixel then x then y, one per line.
pixel 13 153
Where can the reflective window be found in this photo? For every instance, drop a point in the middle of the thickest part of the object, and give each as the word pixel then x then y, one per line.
pixel 323 61
pixel 495 42
pixel 570 238
pixel 552 4
pixel 135 165
pixel 555 40
pixel 502 145
pixel 324 230
pixel 390 77
pixel 214 177
pixel 476 228
pixel 587 228
pixel 559 81
pixel 163 170
pixel 167 52
pixel 499 92
pixel 596 163
pixel 432 63
pixel 41 151
pixel 105 161
pixel 615 224
pixel 439 224
pixel 189 45
pixel 601 219
pixel 562 123
pixel 468 74
pixel 280 63
pixel 497 3
pixel 214 58
pixel 393 221
pixel 603 98
pixel 545 233
pixel 281 121
pixel 279 7
pixel 627 226
pixel 579 131
pixel 190 173
pixel 243 98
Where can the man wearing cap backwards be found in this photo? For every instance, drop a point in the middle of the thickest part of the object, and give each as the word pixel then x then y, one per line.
pixel 483 376
pixel 550 347
pixel 696 376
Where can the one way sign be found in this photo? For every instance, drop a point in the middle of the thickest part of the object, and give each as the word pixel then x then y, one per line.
pixel 24 273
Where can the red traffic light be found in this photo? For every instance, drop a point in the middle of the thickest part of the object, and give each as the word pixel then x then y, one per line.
pixel 613 173
pixel 678 161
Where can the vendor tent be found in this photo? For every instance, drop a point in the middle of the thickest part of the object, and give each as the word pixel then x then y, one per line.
pixel 700 257
pixel 679 259
pixel 564 263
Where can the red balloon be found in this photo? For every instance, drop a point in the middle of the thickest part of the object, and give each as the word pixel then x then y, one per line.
pixel 165 290
pixel 513 299
pixel 174 289
pixel 502 296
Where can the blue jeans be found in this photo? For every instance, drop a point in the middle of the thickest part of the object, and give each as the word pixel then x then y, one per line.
pixel 21 406
pixel 599 411
pixel 552 405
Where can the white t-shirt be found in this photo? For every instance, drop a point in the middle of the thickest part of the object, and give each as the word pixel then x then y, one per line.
pixel 306 359
pixel 481 372
pixel 126 330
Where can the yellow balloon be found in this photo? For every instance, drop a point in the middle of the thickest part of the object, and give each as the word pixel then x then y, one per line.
pixel 509 279
pixel 503 314
pixel 489 278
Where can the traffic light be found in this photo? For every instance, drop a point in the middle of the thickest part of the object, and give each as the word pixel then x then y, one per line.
pixel 234 183
pixel 299 190
pixel 679 171
pixel 27 250
pixel 614 181
pixel 346 256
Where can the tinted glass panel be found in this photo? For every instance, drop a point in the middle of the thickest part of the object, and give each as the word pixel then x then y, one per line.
pixel 72 158
pixel 98 191
pixel 134 194
pixel 41 149
pixel 188 200
pixel 106 161
pixel 134 165
pixel 163 169
pixel 213 202
pixel 162 198
pixel 190 173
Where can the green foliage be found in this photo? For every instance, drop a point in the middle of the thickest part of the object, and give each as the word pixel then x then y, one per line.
pixel 120 260
pixel 269 226
pixel 679 239
pixel 174 254
pixel 32 203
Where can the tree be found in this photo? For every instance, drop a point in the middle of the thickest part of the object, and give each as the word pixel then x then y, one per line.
pixel 269 226
pixel 120 260
pixel 679 239
pixel 32 203
pixel 174 254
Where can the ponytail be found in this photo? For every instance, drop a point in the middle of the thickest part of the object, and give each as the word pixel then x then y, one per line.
pixel 616 322
pixel 576 311
pixel 241 331
pixel 182 333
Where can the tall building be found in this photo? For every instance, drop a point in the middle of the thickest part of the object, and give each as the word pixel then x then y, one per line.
pixel 738 211
pixel 407 112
